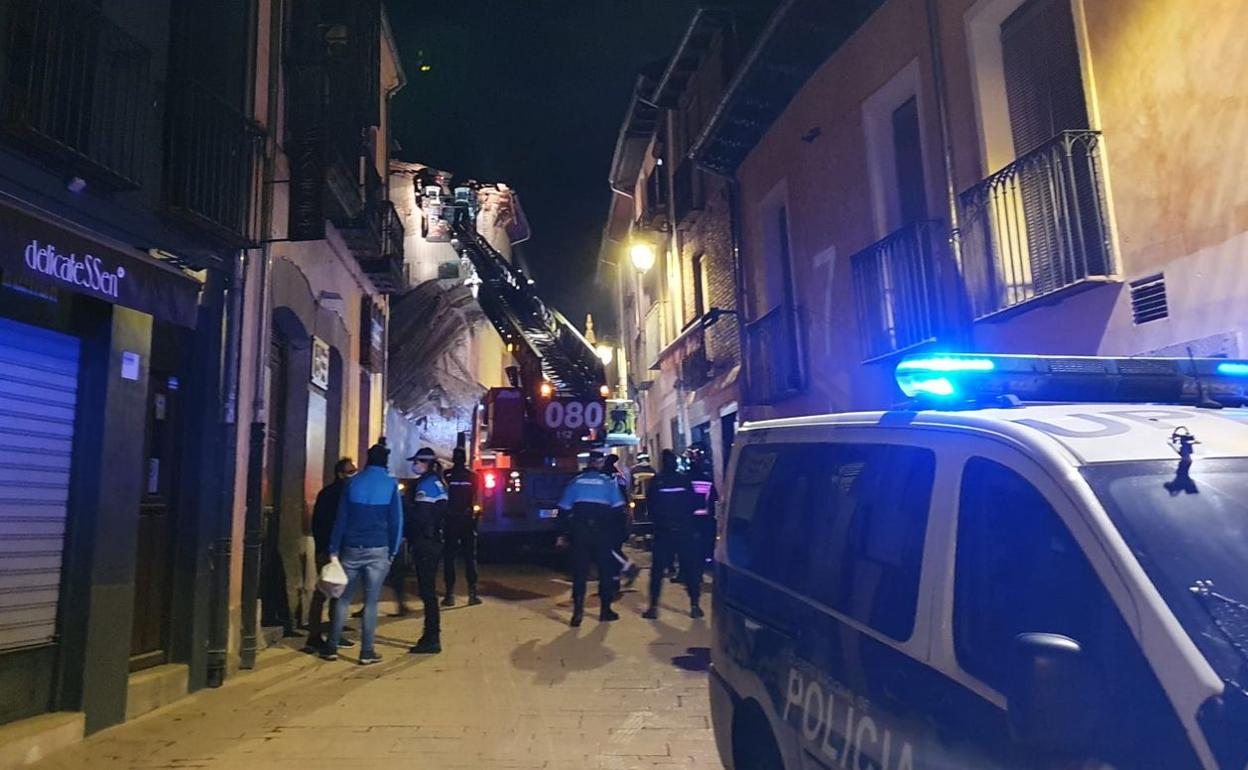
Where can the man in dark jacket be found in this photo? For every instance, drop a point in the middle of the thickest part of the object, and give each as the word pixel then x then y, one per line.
pixel 672 502
pixel 461 527
pixel 425 519
pixel 324 513
pixel 591 513
pixel 365 539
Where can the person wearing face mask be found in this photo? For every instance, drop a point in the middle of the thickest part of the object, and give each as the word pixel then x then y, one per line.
pixel 324 513
pixel 424 522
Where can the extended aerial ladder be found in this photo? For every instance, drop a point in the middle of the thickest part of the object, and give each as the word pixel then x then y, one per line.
pixel 526 438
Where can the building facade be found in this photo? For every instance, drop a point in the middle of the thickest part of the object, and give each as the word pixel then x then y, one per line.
pixel 1015 176
pixel 680 338
pixel 129 190
pixel 196 252
pixel 312 363
pixel 446 351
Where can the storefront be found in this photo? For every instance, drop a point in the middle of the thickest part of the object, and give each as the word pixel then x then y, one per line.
pixel 95 353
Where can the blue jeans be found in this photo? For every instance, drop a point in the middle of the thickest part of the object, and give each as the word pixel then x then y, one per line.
pixel 367 565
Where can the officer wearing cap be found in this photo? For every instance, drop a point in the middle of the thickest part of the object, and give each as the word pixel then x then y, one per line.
pixel 461 527
pixel 424 519
pixel 591 513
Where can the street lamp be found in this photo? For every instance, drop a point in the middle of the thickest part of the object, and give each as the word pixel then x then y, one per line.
pixel 606 354
pixel 642 256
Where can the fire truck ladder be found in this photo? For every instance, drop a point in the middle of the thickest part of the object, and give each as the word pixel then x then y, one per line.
pixel 539 333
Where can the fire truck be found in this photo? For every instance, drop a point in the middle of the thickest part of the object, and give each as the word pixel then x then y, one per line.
pixel 527 436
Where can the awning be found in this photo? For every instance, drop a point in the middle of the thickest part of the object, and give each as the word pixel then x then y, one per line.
pixel 38 254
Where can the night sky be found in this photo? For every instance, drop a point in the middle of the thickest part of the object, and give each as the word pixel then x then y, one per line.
pixel 532 93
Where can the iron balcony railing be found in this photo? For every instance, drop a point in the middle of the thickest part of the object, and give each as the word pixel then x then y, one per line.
pixel 212 164
pixel 687 185
pixel 774 361
pixel 376 239
pixel 75 86
pixel 1037 226
pixel 896 292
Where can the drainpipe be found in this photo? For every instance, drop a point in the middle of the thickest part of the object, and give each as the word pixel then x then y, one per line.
pixel 946 142
pixel 253 516
pixel 219 609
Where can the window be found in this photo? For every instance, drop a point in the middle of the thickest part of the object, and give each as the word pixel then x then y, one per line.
pixel 842 523
pixel 1018 570
pixel 699 285
pixel 908 153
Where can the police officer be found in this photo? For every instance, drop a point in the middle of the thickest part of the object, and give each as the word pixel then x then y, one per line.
pixel 672 502
pixel 590 513
pixel 461 527
pixel 424 520
pixel 702 474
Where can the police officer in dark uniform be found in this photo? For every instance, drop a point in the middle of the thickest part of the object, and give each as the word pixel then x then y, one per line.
pixel 591 513
pixel 424 521
pixel 461 527
pixel 702 475
pixel 672 502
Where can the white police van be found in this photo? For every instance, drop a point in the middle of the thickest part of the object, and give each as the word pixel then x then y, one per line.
pixel 1043 564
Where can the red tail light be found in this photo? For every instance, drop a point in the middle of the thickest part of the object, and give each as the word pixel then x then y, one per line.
pixel 491 481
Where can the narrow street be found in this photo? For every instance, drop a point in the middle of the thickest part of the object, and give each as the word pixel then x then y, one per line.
pixel 514 688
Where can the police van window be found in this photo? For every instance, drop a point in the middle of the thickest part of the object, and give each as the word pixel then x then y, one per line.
pixel 1018 570
pixel 865 522
pixel 765 520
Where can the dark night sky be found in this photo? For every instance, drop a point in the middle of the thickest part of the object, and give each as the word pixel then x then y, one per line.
pixel 532 93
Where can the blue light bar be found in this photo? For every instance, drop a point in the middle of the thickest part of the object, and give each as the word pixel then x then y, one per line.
pixel 970 379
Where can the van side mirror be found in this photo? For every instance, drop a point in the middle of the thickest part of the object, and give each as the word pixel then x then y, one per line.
pixel 1051 694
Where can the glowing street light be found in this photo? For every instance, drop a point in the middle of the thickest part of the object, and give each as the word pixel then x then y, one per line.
pixel 605 353
pixel 642 255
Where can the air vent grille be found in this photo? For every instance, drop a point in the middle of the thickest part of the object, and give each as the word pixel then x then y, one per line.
pixel 1148 299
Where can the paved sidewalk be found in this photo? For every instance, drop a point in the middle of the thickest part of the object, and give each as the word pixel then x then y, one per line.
pixel 515 688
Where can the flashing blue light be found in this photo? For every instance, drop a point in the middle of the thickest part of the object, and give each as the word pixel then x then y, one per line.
pixel 1233 369
pixel 939 386
pixel 946 364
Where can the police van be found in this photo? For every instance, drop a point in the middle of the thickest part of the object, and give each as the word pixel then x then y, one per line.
pixel 1041 562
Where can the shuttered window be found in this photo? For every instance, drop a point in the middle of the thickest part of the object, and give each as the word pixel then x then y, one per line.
pixel 1043 80
pixel 38 392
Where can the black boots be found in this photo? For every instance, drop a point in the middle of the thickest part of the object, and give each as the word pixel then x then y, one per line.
pixel 578 613
pixel 473 598
pixel 428 645
pixel 652 613
pixel 449 601
pixel 606 614
pixel 696 610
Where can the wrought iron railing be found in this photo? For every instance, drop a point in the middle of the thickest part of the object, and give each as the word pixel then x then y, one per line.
pixel 77 86
pixel 687 190
pixel 377 240
pixel 896 292
pixel 1037 226
pixel 212 164
pixel 774 362
pixel 696 367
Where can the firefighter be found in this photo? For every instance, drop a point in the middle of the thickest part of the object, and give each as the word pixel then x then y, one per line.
pixel 672 502
pixel 639 478
pixel 425 517
pixel 461 527
pixel 590 514
pixel 628 571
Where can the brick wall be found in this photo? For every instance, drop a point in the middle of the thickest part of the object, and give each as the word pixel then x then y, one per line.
pixel 709 232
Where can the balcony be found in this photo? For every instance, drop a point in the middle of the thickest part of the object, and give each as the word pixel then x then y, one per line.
pixel 376 237
pixel 774 362
pixel 212 165
pixel 896 292
pixel 693 363
pixel 76 88
pixel 1038 228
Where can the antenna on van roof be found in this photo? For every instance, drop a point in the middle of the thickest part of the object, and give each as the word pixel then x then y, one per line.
pixel 1202 397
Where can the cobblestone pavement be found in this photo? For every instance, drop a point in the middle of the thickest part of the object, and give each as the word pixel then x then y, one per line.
pixel 516 687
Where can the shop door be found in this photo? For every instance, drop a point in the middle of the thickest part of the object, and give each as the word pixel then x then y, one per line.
pixel 38 395
pixel 153 577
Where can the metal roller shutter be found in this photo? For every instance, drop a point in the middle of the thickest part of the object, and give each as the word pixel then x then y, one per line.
pixel 38 391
